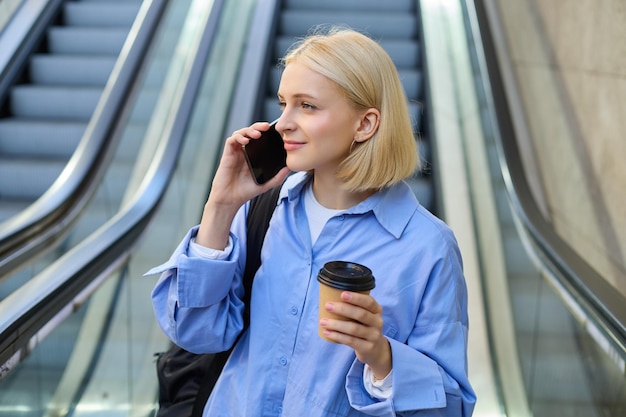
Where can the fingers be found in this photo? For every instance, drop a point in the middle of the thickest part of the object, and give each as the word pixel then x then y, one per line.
pixel 232 183
pixel 362 313
pixel 362 331
pixel 364 301
pixel 368 343
pixel 243 136
pixel 348 332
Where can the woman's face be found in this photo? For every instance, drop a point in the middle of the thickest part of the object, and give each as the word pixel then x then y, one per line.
pixel 317 124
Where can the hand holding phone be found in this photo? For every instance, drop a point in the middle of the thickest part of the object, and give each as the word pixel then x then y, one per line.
pixel 266 156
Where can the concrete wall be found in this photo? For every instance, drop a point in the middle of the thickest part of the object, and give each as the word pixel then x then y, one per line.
pixel 568 59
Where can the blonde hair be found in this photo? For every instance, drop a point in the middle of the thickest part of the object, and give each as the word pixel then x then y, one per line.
pixel 369 79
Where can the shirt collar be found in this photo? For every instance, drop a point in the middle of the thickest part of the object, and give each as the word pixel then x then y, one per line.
pixel 393 206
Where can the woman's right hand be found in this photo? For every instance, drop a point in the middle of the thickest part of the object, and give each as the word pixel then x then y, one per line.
pixel 232 186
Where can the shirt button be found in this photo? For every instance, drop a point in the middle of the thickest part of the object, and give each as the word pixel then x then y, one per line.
pixel 283 361
pixel 293 310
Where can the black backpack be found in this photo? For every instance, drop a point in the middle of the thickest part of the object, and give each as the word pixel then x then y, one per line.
pixel 187 379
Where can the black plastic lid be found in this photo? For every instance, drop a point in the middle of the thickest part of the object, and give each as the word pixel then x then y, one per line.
pixel 347 276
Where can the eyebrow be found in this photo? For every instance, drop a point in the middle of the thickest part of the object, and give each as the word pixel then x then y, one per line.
pixel 299 95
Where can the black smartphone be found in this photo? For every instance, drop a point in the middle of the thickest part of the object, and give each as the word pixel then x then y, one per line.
pixel 266 155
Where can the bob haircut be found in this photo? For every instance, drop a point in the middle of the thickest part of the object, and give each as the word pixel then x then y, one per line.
pixel 369 79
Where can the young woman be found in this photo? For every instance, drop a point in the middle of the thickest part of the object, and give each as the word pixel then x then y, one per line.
pixel 347 132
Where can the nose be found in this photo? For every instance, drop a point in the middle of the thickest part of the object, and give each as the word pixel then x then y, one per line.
pixel 284 123
pixel 280 124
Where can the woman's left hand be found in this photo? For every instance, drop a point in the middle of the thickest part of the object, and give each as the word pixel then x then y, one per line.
pixel 363 331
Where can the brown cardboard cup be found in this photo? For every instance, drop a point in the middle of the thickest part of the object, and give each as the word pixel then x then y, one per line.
pixel 336 277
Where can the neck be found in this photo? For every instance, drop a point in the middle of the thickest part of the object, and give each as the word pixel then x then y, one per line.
pixel 331 193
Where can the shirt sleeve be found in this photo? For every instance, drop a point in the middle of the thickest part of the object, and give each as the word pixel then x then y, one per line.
pixel 429 369
pixel 198 299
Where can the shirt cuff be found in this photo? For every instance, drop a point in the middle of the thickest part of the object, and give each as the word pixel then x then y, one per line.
pixel 380 389
pixel 199 251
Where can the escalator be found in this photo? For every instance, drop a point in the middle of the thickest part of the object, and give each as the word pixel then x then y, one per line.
pixel 68 68
pixel 47 109
pixel 109 367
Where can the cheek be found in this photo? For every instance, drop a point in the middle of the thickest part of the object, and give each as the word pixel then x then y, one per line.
pixel 333 135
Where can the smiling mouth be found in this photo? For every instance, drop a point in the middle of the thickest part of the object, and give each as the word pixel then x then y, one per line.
pixel 292 146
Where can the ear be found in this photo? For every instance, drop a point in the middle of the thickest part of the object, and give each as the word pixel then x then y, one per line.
pixel 368 125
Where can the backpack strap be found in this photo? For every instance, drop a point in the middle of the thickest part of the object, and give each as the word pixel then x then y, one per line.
pixel 258 220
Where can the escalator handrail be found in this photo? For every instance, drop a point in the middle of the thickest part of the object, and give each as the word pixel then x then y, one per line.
pixel 603 304
pixel 26 311
pixel 46 220
pixel 20 37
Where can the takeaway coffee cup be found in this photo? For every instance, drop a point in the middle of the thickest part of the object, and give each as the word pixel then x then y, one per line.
pixel 338 276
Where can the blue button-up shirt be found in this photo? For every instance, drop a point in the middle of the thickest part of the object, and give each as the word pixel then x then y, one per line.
pixel 280 366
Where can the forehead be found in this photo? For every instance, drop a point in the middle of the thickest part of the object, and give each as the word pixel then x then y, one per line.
pixel 298 79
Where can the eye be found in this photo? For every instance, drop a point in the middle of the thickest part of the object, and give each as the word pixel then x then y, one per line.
pixel 307 106
pixel 281 104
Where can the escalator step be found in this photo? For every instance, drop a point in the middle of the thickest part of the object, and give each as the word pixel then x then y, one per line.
pixel 71 70
pixel 412 83
pixel 40 139
pixel 87 41
pixel 405 53
pixel 24 179
pixel 378 25
pixel 101 14
pixel 406 6
pixel 63 103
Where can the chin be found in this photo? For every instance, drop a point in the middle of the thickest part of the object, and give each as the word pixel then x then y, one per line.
pixel 296 166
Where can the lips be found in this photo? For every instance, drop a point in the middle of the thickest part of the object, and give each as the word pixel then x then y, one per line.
pixel 292 146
